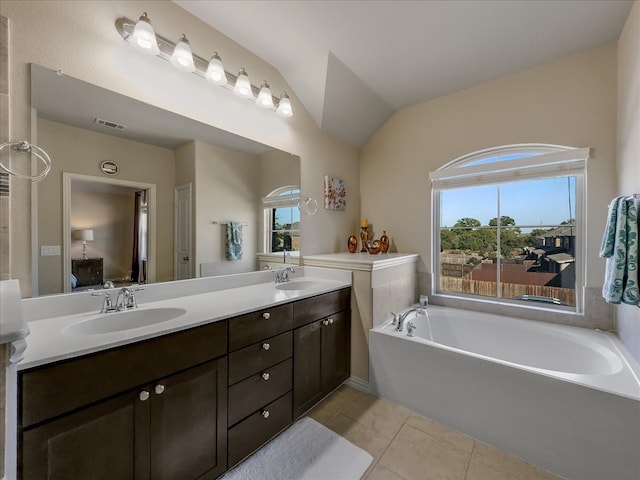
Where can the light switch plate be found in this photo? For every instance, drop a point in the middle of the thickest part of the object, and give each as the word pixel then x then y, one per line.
pixel 49 250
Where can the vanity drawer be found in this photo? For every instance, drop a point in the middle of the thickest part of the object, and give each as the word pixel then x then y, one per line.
pixel 255 392
pixel 261 355
pixel 311 309
pixel 255 326
pixel 252 433
pixel 61 387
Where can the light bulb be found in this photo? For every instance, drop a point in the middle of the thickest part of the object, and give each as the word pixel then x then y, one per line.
pixel 242 87
pixel 284 106
pixel 215 71
pixel 143 37
pixel 264 99
pixel 182 58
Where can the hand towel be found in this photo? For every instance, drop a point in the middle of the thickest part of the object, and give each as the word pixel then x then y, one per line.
pixel 620 248
pixel 234 241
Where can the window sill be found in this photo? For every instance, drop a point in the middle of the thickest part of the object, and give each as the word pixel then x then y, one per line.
pixel 559 315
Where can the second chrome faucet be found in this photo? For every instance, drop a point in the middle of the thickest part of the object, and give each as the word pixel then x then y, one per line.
pixel 126 299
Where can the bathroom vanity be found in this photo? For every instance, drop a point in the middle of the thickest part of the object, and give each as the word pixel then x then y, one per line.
pixel 190 403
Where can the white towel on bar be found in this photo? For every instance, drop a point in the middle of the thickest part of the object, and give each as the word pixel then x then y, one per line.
pixel 620 248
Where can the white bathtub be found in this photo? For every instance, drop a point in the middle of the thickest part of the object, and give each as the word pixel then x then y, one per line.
pixel 564 398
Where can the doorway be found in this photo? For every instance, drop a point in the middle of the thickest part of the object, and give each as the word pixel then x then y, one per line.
pixel 112 234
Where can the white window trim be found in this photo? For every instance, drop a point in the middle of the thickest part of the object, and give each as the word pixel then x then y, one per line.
pixel 551 161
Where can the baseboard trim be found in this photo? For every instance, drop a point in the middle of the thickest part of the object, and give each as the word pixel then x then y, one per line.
pixel 357 383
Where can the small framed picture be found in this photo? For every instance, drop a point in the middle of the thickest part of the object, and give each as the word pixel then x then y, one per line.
pixel 335 193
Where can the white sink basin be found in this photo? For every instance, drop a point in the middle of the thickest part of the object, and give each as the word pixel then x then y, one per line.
pixel 120 321
pixel 298 285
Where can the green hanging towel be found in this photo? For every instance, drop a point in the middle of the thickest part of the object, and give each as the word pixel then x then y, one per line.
pixel 620 248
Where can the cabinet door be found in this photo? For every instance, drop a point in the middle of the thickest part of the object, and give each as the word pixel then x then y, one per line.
pixel 335 350
pixel 95 443
pixel 189 423
pixel 307 372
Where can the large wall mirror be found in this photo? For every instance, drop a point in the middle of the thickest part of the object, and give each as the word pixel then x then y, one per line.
pixel 137 194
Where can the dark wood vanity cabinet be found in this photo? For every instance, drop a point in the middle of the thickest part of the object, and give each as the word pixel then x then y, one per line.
pixel 187 405
pixel 321 348
pixel 260 379
pixel 78 422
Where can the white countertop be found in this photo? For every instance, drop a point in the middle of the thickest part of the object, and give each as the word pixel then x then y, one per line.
pixel 48 343
pixel 359 261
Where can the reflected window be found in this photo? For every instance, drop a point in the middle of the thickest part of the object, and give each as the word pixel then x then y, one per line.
pixel 282 219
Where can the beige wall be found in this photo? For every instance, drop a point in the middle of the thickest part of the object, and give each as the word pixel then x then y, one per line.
pixel 77 150
pixel 278 169
pixel 628 181
pixel 80 39
pixel 569 102
pixel 226 190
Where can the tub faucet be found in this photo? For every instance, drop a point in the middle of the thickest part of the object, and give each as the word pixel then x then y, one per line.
pixel 410 329
pixel 398 320
pixel 283 275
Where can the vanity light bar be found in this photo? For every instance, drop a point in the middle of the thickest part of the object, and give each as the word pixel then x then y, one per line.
pixel 166 48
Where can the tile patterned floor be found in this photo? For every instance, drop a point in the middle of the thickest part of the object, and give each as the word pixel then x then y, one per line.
pixel 406 446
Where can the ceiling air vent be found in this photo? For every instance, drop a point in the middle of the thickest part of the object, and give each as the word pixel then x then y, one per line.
pixel 108 124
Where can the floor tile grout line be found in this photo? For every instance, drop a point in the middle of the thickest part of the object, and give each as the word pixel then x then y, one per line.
pixel 473 451
pixel 387 448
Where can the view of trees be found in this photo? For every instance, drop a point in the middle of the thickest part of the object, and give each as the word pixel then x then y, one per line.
pixel 468 235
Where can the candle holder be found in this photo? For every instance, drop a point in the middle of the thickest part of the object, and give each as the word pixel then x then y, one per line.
pixel 364 238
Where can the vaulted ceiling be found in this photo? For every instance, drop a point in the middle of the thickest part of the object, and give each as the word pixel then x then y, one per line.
pixel 354 63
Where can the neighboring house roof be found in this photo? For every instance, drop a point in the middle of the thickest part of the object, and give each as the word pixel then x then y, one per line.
pixel 563 231
pixel 561 258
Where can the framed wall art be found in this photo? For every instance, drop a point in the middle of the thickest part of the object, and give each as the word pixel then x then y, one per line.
pixel 335 193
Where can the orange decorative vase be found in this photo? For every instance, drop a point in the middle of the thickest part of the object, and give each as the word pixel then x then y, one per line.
pixel 384 242
pixel 352 243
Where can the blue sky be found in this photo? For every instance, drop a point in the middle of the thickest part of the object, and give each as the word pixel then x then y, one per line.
pixel 533 202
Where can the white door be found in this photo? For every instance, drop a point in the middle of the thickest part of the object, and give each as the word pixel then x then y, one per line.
pixel 182 233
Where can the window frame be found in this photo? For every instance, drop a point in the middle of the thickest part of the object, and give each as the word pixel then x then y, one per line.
pixel 277 199
pixel 548 161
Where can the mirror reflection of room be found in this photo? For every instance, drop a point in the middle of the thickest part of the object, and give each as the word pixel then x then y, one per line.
pixel 202 179
pixel 109 225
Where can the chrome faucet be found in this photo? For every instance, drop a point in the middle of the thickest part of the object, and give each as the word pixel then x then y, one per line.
pixel 410 329
pixel 283 275
pixel 127 298
pixel 107 304
pixel 398 320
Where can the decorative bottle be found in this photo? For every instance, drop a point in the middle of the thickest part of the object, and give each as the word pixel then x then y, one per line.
pixel 384 242
pixel 352 243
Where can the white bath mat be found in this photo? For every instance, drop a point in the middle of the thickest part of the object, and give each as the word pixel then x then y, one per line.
pixel 307 450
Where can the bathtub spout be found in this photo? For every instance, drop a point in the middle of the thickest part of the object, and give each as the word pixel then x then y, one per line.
pixel 401 318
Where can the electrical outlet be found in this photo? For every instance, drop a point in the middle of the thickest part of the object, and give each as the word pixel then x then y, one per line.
pixel 49 250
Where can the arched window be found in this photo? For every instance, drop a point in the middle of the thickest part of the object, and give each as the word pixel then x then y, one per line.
pixel 508 226
pixel 282 219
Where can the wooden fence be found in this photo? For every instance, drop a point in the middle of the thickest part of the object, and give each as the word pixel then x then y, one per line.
pixel 508 290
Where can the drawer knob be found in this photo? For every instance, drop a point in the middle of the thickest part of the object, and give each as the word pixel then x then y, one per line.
pixel 265 413
pixel 143 395
pixel 266 315
pixel 265 376
pixel 325 322
pixel 266 346
pixel 331 321
pixel 159 389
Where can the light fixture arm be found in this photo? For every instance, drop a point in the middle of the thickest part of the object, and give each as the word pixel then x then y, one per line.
pixel 125 27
